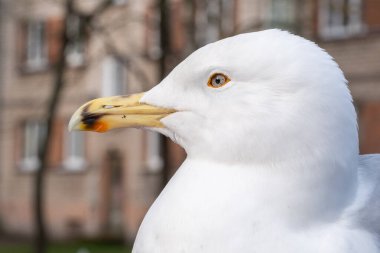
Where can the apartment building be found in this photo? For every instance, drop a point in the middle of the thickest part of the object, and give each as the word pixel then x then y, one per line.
pixel 96 185
pixel 103 184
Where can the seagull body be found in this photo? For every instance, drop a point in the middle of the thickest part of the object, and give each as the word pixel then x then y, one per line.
pixel 273 165
pixel 191 214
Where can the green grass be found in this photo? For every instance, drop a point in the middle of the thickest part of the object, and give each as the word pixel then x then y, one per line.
pixel 70 247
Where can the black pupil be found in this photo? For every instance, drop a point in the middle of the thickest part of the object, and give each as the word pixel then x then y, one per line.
pixel 218 80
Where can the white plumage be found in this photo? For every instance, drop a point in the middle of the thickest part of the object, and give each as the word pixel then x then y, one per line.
pixel 273 162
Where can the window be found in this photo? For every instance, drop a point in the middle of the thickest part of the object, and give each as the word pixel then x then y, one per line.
pixel 228 9
pixel 33 134
pixel 36 55
pixel 214 19
pixel 40 42
pixel 283 15
pixel 213 15
pixel 75 50
pixel 74 151
pixel 340 18
pixel 72 147
pixel 119 2
pixel 154 160
pixel 114 77
pixel 207 18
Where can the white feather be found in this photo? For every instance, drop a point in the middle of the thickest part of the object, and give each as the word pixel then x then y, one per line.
pixel 272 156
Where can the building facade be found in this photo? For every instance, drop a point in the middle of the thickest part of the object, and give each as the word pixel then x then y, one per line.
pixel 102 185
pixel 96 185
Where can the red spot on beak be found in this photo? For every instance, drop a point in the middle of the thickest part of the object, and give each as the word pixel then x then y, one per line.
pixel 100 127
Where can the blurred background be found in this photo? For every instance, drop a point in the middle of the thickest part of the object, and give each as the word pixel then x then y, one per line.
pixel 88 192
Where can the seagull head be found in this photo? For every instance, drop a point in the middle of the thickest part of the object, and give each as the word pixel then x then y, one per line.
pixel 261 97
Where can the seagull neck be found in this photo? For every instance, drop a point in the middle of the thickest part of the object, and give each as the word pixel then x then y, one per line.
pixel 297 194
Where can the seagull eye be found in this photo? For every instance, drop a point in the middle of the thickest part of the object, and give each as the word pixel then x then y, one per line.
pixel 218 80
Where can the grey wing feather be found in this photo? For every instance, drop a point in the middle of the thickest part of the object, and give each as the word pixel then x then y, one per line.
pixel 368 215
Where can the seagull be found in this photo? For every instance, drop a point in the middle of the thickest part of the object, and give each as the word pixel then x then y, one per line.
pixel 273 165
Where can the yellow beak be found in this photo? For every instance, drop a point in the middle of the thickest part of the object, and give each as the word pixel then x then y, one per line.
pixel 103 114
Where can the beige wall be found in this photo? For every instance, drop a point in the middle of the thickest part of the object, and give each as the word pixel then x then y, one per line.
pixel 74 200
pixel 77 202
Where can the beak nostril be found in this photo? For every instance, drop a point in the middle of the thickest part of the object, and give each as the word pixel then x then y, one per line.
pixel 110 106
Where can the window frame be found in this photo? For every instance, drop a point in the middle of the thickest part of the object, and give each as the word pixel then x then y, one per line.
pixel 153 157
pixel 75 55
pixel 40 60
pixel 114 77
pixel 119 2
pixel 289 15
pixel 29 160
pixel 72 162
pixel 340 31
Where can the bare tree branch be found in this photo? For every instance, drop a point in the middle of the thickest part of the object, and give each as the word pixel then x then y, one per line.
pixel 99 10
pixel 111 47
pixel 40 245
